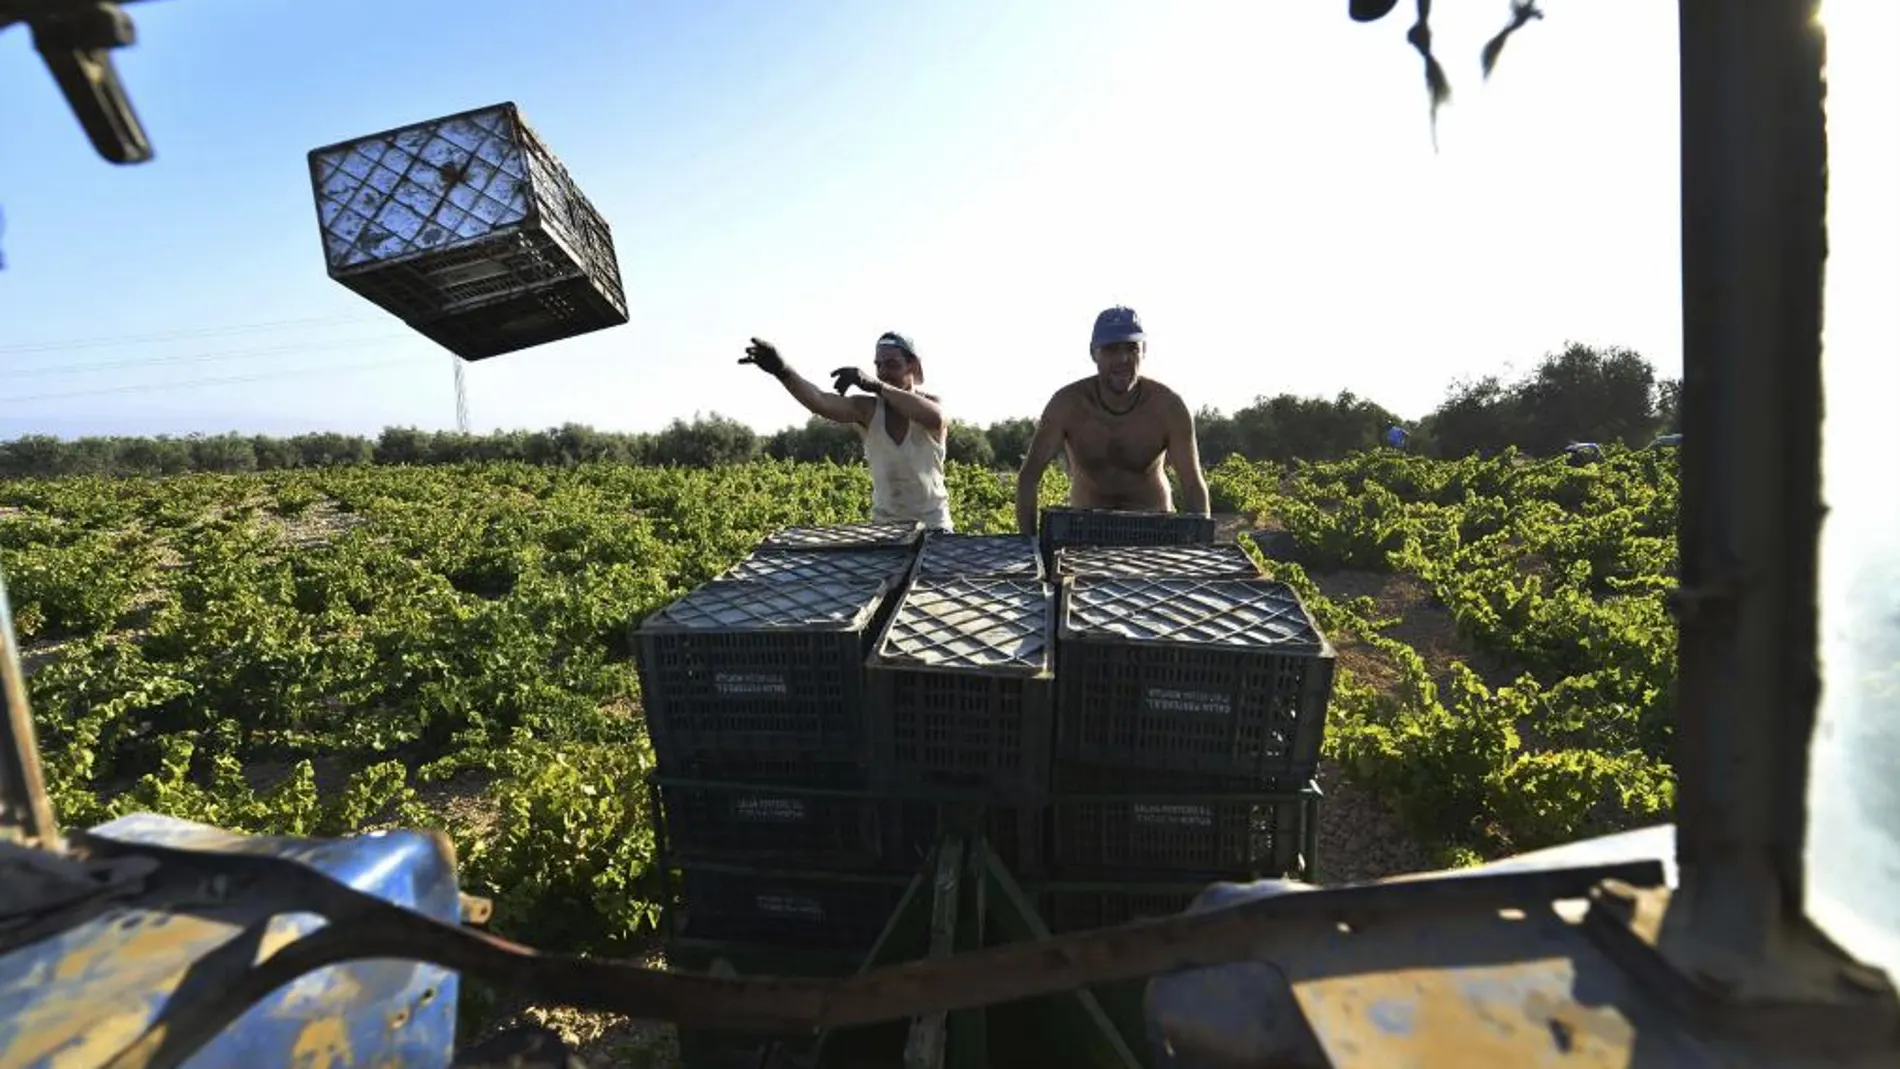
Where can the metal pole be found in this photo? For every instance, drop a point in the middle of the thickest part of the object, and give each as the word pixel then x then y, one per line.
pixel 461 396
pixel 1754 185
pixel 26 814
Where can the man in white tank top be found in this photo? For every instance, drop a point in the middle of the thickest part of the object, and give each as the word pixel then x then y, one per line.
pixel 903 428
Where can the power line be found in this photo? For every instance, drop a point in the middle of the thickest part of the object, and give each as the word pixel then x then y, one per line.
pixel 186 384
pixel 196 358
pixel 178 335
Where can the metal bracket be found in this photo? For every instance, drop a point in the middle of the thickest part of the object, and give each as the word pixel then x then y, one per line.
pixel 1811 994
pixel 76 39
pixel 476 910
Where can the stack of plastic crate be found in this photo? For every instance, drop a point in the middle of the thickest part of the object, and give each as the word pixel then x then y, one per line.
pixel 1191 699
pixel 754 693
pixel 961 689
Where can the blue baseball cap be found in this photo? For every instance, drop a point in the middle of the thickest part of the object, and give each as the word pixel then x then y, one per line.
pixel 1116 324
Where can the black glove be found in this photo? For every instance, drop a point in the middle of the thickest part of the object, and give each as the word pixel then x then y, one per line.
pixel 846 377
pixel 765 356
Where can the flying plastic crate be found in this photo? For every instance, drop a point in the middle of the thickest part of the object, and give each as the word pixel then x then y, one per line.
pixel 470 231
pixel 756 667
pixel 1116 527
pixel 973 555
pixel 1138 562
pixel 1225 677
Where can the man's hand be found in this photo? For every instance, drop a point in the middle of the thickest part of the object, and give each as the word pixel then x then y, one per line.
pixel 846 377
pixel 765 356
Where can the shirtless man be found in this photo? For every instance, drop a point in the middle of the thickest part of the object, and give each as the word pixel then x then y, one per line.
pixel 902 427
pixel 1118 429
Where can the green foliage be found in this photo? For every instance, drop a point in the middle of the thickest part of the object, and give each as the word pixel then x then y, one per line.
pixel 1284 427
pixel 571 861
pixel 77 586
pixel 1560 572
pixel 348 623
pixel 1580 393
pixel 313 650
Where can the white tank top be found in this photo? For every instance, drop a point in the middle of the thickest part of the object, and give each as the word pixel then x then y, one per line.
pixel 907 478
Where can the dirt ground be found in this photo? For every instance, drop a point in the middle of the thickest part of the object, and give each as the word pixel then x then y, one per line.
pixel 1422 623
pixel 602 1040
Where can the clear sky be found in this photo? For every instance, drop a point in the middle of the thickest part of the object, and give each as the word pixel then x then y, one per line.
pixel 1257 179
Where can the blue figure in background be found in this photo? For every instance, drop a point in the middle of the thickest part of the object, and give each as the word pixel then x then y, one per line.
pixel 1395 437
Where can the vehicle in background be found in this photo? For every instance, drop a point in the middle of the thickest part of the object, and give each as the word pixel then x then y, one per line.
pixel 1578 454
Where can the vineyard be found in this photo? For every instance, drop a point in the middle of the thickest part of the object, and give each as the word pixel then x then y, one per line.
pixel 323 651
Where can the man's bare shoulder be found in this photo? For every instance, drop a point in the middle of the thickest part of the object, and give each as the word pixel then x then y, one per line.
pixel 1062 403
pixel 1172 404
pixel 1074 393
pixel 1162 391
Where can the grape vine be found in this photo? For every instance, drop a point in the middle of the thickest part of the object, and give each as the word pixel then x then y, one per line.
pixel 316 652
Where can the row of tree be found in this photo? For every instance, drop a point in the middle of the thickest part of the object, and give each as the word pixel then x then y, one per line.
pixel 1579 394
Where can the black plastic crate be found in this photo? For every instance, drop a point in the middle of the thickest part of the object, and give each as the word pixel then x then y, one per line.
pixel 759 667
pixel 687 951
pixel 469 230
pixel 984 556
pixel 1168 825
pixel 1117 527
pixel 1017 835
pixel 1224 676
pixel 846 536
pixel 960 687
pixel 1077 911
pixel 742 807
pixel 852 565
pixel 811 911
pixel 1142 562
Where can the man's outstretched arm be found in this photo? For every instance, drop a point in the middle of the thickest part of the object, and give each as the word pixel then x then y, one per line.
pixel 920 408
pixel 822 402
pixel 923 409
pixel 1042 450
pixel 1184 456
pixel 838 409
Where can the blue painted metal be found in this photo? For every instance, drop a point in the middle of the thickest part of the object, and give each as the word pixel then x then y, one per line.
pixel 1463 988
pixel 75 998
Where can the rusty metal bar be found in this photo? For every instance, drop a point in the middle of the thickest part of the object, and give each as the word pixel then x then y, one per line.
pixel 362 926
pixel 26 814
pixel 1753 195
